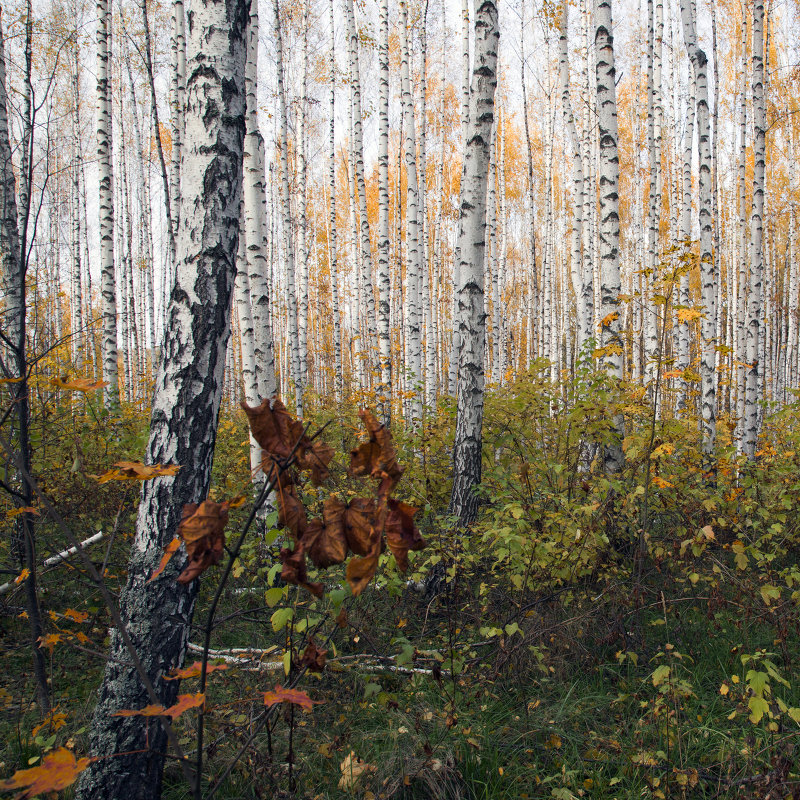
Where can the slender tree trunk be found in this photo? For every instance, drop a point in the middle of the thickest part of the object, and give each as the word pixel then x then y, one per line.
pixel 414 262
pixel 471 246
pixel 178 99
pixel 610 336
pixel 708 279
pixel 106 200
pixel 288 233
pixel 755 366
pixel 187 398
pixel 384 278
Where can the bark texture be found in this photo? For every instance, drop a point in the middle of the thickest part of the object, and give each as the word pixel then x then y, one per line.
pixel 185 406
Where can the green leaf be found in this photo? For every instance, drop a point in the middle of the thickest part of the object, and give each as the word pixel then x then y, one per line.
pixel 281 618
pixel 769 593
pixel 758 707
pixel 660 674
pixel 273 596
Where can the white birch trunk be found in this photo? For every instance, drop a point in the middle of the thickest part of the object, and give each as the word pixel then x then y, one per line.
pixel 185 410
pixel 610 337
pixel 755 365
pixel 472 244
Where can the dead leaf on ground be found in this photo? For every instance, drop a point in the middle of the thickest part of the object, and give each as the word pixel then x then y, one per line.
pixel 352 769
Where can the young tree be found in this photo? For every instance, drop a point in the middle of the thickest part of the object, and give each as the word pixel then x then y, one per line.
pixel 472 251
pixel 185 408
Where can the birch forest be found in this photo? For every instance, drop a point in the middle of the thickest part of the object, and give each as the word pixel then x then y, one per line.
pixel 400 399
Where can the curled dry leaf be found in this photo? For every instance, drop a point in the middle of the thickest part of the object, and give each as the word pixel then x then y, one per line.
pixel 360 572
pixel 295 571
pixel 57 771
pixel 329 545
pixel 352 769
pixel 362 525
pixel 202 529
pixel 402 534
pixel 376 457
pixel 313 657
pixel 77 384
pixel 280 435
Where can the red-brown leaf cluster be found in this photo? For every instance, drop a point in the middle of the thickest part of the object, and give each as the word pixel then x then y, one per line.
pixel 358 526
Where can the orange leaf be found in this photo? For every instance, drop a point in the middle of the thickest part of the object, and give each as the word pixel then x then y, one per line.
pixel 168 553
pixel 76 616
pixel 77 384
pixel 57 771
pixel 281 695
pixel 360 572
pixel 49 641
pixel 15 512
pixel 23 576
pixel 185 702
pixel 137 471
pixel 193 671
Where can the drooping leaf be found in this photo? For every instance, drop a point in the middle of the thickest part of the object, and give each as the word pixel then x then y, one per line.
pixel 360 572
pixel 362 525
pixel 402 534
pixel 295 570
pixel 291 512
pixel 281 695
pixel 57 771
pixel 202 529
pixel 313 657
pixel 376 457
pixel 279 435
pixel 329 545
pixel 185 702
pixel 193 671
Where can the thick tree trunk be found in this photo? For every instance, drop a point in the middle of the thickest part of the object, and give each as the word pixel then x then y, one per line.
pixel 472 245
pixel 384 278
pixel 185 407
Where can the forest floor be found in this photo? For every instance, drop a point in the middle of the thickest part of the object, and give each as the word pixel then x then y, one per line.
pixel 562 656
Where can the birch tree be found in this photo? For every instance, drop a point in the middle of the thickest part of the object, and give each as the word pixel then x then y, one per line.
pixel 186 403
pixel 106 200
pixel 708 279
pixel 755 368
pixel 608 180
pixel 471 248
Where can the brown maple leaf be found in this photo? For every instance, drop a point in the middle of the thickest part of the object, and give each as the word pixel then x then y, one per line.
pixel 202 529
pixel 376 457
pixel 313 657
pixel 329 544
pixel 57 771
pixel 295 570
pixel 363 525
pixel 402 534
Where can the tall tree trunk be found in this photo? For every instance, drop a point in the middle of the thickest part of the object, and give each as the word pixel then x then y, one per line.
pixel 332 260
pixel 106 199
pixel 288 233
pixel 708 279
pixel 384 278
pixel 414 262
pixel 471 245
pixel 755 367
pixel 610 336
pixel 177 101
pixel 187 398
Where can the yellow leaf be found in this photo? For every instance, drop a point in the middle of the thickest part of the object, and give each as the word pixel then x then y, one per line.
pixel 77 384
pixel 15 512
pixel 23 576
pixel 724 689
pixel 352 769
pixel 57 771
pixel 609 318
